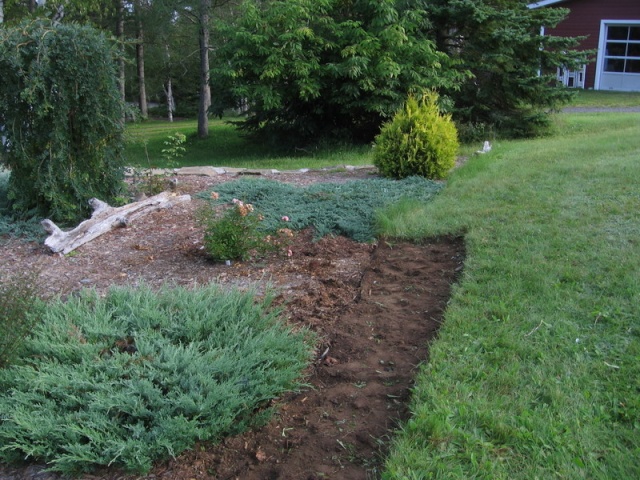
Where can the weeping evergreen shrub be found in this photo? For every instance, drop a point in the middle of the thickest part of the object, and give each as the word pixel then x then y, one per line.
pixel 418 141
pixel 62 115
pixel 10 226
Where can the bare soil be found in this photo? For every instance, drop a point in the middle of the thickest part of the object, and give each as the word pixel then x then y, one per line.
pixel 375 308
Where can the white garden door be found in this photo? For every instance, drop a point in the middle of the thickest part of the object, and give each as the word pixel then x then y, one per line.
pixel 572 78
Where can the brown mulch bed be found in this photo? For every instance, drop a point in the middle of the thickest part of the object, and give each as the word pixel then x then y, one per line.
pixel 375 309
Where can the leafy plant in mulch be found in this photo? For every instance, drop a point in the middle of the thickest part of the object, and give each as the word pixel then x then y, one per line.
pixel 234 233
pixel 330 208
pixel 136 376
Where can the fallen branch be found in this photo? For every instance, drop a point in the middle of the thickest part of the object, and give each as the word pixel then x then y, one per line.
pixel 105 218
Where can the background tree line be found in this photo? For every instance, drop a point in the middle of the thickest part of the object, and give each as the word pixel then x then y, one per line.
pixel 328 67
pixel 301 70
pixel 165 45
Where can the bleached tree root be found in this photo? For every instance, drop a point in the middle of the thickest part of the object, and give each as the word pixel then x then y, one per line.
pixel 105 218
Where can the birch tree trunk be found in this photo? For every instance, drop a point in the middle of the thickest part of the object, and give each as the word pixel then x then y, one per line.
pixel 1 11
pixel 168 90
pixel 170 100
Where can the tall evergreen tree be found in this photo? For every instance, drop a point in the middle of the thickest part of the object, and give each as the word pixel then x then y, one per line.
pixel 201 13
pixel 513 64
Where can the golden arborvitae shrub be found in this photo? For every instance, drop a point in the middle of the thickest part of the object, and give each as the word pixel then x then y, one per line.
pixel 418 141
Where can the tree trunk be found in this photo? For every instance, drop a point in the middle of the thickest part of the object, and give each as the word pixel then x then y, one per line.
pixel 171 103
pixel 205 88
pixel 120 37
pixel 142 87
pixel 1 11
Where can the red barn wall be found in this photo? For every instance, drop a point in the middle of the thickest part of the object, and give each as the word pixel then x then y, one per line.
pixel 584 19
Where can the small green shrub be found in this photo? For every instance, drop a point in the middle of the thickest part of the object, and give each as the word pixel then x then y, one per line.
pixel 137 375
pixel 174 149
pixel 18 314
pixel 145 181
pixel 418 141
pixel 235 234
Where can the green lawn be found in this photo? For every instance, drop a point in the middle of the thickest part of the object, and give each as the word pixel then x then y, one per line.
pixel 604 99
pixel 225 147
pixel 536 372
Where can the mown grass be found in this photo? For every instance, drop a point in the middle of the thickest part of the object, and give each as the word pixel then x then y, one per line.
pixel 226 147
pixel 536 372
pixel 605 99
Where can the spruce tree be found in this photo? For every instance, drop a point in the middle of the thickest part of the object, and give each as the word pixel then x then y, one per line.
pixel 513 84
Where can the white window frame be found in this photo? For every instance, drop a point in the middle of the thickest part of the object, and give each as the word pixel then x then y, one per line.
pixel 602 45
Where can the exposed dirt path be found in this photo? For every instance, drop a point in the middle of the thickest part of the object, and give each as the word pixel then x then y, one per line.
pixel 340 428
pixel 375 309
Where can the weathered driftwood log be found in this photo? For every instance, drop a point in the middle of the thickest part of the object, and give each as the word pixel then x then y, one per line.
pixel 105 218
